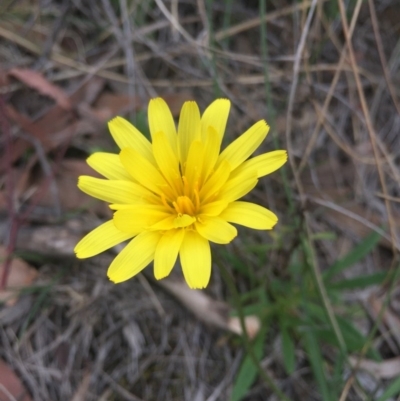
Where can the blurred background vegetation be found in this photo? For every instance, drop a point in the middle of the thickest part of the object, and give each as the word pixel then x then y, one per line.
pixel 319 295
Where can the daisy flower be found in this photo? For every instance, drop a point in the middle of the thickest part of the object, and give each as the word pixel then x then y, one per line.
pixel 176 194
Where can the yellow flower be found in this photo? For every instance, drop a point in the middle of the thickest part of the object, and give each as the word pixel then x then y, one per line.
pixel 176 194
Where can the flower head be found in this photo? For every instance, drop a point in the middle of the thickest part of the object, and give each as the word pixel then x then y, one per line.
pixel 177 193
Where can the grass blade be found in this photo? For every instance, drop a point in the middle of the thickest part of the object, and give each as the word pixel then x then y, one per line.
pixel 392 390
pixel 248 372
pixel 359 282
pixel 288 349
pixel 359 252
pixel 313 350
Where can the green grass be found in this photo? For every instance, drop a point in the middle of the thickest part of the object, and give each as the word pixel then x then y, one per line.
pixel 292 304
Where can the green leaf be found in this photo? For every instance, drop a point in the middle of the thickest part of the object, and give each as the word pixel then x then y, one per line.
pixel 248 371
pixel 288 349
pixel 359 282
pixel 359 252
pixel 392 390
pixel 255 309
pixel 326 235
pixel 352 337
pixel 337 379
pixel 316 312
pixel 316 361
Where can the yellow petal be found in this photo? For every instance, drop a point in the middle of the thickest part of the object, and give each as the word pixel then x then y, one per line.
pixel 243 147
pixel 108 165
pixel 166 252
pixel 134 257
pixel 165 224
pixel 250 215
pixel 211 150
pixel 113 191
pixel 264 164
pixel 139 218
pixel 195 257
pixel 167 160
pixel 183 221
pixel 160 119
pixel 194 162
pixel 213 208
pixel 215 229
pixel 143 171
pixel 215 115
pixel 188 128
pixel 120 206
pixel 99 240
pixel 238 186
pixel 215 182
pixel 128 136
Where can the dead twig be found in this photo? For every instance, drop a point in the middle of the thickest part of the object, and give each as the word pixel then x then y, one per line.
pixel 370 128
pixel 382 57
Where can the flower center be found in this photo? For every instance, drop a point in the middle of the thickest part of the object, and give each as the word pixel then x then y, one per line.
pixel 187 200
pixel 184 205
